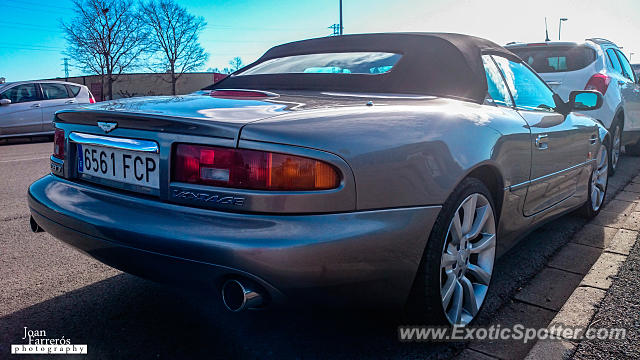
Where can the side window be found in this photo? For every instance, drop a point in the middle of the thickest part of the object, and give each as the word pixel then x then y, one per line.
pixel 54 91
pixel 21 93
pixel 626 67
pixel 528 90
pixel 611 54
pixel 495 83
pixel 75 90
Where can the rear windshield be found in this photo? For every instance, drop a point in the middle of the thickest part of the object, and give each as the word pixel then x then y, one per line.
pixel 548 59
pixel 329 63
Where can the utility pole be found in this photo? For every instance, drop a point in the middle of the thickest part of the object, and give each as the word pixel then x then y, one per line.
pixel 66 67
pixel 341 26
pixel 560 26
pixel 337 28
pixel 546 30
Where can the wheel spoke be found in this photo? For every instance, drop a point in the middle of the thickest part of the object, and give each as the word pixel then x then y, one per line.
pixel 481 220
pixel 448 289
pixel 479 273
pixel 447 260
pixel 486 243
pixel 456 229
pixel 469 208
pixel 470 301
pixel 455 313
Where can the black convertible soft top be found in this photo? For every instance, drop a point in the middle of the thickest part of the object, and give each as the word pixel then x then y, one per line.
pixel 439 64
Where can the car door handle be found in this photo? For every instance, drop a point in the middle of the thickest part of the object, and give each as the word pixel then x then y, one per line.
pixel 35 105
pixel 540 144
pixel 593 139
pixel 70 102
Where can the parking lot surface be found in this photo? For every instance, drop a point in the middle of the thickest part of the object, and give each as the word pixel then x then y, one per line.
pixel 47 285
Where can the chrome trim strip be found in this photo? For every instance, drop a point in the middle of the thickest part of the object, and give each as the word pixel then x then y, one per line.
pixel 529 182
pixel 116 143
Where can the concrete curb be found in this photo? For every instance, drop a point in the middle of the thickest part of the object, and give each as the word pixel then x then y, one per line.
pixel 585 300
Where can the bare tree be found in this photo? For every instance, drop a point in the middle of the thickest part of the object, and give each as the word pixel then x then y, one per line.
pixel 236 63
pixel 220 71
pixel 105 37
pixel 175 33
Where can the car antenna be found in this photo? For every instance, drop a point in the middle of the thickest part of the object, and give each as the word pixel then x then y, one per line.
pixel 546 30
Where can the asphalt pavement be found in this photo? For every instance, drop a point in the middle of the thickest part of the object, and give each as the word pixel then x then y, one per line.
pixel 47 285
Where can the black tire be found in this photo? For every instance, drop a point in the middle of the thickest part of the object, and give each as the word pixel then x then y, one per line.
pixel 424 305
pixel 587 211
pixel 616 126
pixel 632 149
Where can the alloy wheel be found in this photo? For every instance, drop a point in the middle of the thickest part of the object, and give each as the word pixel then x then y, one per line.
pixel 467 259
pixel 599 179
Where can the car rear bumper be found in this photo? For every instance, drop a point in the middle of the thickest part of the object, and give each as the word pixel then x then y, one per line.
pixel 335 259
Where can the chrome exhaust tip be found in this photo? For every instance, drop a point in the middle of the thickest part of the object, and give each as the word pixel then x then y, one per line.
pixel 238 296
pixel 34 226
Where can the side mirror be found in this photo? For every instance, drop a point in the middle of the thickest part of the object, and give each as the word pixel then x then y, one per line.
pixel 5 101
pixel 585 100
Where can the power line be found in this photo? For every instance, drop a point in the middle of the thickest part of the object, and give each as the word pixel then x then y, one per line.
pixel 17 7
pixel 31 46
pixel 48 5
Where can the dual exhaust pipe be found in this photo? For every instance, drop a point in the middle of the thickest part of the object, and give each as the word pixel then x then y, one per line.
pixel 34 225
pixel 239 295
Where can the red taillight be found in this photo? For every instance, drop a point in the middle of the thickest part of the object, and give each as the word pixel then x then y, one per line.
pixel 92 100
pixel 250 169
pixel 598 82
pixel 58 144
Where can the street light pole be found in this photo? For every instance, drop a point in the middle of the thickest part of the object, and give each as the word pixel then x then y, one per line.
pixel 560 26
pixel 341 27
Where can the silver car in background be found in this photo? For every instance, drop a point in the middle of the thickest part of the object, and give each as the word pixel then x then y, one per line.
pixel 27 107
pixel 360 170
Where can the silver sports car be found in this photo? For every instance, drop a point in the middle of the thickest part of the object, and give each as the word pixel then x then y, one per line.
pixel 378 169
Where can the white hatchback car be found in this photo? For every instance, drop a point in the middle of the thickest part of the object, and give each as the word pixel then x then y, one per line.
pixel 27 107
pixel 596 64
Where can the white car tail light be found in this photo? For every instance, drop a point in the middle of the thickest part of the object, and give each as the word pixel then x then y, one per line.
pixel 598 82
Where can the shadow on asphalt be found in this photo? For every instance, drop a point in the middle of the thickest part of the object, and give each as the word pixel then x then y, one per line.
pixel 127 317
pixel 26 140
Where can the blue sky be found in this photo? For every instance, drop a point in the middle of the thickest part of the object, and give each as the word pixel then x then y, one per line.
pixel 31 44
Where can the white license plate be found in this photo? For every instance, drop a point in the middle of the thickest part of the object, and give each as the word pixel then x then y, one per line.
pixel 125 166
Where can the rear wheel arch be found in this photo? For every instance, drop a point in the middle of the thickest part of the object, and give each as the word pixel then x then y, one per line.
pixel 492 178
